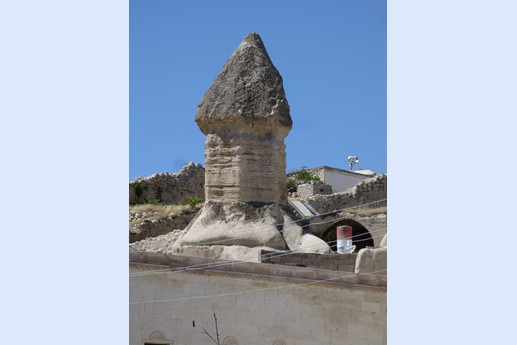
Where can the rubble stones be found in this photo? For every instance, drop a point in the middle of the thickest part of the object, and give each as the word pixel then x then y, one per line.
pixel 301 242
pixel 161 244
pixel 170 244
pixel 141 228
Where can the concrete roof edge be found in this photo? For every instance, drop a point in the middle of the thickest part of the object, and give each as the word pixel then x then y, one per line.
pixel 274 271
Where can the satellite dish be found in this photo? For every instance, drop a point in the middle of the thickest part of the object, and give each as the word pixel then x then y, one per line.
pixel 353 160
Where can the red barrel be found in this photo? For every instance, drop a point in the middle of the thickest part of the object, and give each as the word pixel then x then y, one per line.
pixel 344 239
pixel 344 232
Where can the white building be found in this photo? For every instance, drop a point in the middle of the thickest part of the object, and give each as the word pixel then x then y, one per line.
pixel 340 179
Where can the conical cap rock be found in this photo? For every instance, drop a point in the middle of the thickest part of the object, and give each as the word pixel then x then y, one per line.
pixel 248 86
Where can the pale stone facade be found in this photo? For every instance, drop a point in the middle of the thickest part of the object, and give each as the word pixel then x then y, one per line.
pixel 282 305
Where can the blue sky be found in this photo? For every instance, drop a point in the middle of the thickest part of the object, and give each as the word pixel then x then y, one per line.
pixel 331 55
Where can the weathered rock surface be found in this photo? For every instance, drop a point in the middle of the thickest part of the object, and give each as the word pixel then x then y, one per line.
pixel 312 244
pixel 170 244
pixel 169 188
pixel 245 117
pixel 292 233
pixel 249 86
pixel 384 241
pixel 234 222
pixel 301 242
pixel 372 260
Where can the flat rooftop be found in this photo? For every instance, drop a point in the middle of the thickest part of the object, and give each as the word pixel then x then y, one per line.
pixel 148 261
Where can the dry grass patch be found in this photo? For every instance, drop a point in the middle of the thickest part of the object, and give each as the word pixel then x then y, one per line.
pixel 159 211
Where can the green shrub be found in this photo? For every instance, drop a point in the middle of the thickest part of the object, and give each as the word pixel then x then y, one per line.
pixel 300 177
pixel 139 189
pixel 304 176
pixel 194 200
pixel 291 185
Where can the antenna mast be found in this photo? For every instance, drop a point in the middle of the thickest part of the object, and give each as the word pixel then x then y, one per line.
pixel 352 160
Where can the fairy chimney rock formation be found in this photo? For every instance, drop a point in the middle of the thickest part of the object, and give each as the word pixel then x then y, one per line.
pixel 245 117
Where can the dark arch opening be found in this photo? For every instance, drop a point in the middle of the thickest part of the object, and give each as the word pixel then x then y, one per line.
pixel 361 237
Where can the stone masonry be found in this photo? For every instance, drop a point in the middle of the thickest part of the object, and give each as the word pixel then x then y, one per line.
pixel 255 303
pixel 309 189
pixel 333 262
pixel 368 191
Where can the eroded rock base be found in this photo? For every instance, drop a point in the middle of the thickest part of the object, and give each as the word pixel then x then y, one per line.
pixel 235 223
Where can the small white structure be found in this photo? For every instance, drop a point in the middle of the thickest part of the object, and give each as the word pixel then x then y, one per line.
pixel 340 179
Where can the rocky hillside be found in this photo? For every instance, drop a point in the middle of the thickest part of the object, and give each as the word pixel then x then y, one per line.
pixel 167 188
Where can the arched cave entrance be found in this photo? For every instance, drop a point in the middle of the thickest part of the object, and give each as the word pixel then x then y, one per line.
pixel 361 237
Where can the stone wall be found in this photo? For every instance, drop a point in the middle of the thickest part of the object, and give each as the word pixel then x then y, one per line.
pixel 254 304
pixel 169 188
pixel 370 190
pixel 309 189
pixel 334 262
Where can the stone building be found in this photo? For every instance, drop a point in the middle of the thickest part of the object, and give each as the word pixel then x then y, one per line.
pixel 339 179
pixel 254 303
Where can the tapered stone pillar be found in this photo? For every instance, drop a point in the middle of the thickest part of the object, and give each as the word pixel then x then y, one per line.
pixel 245 117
